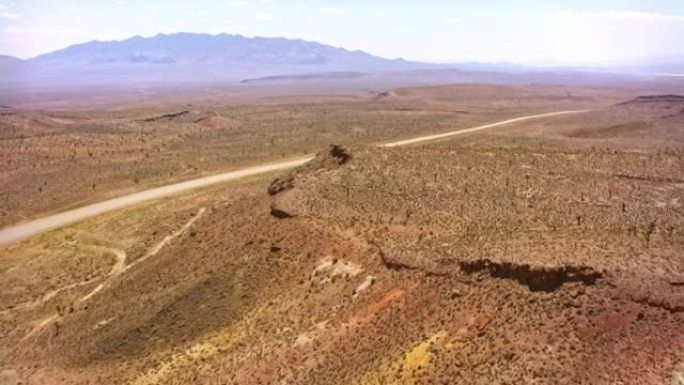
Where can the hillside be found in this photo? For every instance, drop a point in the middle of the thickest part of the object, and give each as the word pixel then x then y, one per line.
pixel 383 266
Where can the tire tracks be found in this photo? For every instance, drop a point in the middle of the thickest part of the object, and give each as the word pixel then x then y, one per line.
pixel 118 269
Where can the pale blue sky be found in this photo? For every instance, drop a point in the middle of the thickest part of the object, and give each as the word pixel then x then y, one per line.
pixel 428 30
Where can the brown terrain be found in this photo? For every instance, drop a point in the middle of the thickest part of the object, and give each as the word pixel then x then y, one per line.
pixel 544 252
pixel 54 159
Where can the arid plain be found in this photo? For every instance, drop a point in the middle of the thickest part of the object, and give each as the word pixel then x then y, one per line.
pixel 547 251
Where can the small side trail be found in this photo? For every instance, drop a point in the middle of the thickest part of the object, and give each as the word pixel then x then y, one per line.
pixel 118 269
pixel 120 256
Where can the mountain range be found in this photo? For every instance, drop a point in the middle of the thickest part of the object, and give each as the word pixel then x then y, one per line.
pixel 187 57
pixel 197 59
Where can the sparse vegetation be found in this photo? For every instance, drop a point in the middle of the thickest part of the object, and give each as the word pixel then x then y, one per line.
pixel 527 254
pixel 54 158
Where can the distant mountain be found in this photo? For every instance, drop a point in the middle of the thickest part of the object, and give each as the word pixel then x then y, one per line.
pixel 217 49
pixel 663 65
pixel 188 57
pixel 645 66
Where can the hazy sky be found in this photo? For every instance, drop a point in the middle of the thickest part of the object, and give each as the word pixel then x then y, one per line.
pixel 429 30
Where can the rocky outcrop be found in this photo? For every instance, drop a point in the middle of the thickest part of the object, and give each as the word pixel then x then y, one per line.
pixel 398 259
pixel 166 117
pixel 666 98
pixel 285 205
pixel 281 183
pixel 536 278
pixel 285 190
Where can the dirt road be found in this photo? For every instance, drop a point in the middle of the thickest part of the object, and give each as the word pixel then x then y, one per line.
pixel 22 231
pixel 478 128
pixel 25 230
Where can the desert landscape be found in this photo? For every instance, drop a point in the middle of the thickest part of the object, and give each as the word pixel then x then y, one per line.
pixel 57 158
pixel 547 251
pixel 271 192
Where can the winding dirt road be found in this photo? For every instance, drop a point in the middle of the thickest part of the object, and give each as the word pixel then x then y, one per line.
pixel 26 230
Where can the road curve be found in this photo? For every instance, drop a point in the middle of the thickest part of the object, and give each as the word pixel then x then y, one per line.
pixel 26 230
